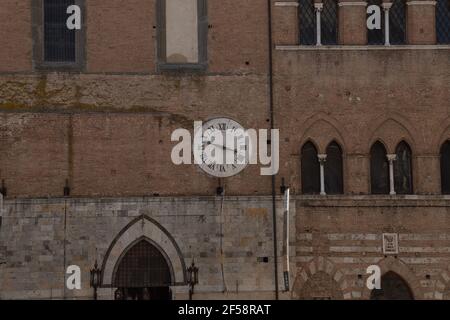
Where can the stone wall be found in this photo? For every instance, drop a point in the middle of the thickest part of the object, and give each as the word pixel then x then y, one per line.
pixel 40 238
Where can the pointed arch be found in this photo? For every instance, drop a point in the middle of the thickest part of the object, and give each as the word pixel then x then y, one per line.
pixel 391 264
pixel 379 169
pixel 403 171
pixel 390 130
pixel 321 129
pixel 334 169
pixel 141 228
pixel 310 169
pixel 440 137
pixel 393 287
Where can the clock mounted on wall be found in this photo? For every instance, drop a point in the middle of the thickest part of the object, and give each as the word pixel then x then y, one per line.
pixel 227 155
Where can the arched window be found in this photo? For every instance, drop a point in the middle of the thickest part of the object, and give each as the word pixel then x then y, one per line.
pixel 379 169
pixel 334 182
pixel 376 36
pixel 445 168
pixel 443 21
pixel 329 23
pixel 310 169
pixel 307 20
pixel 403 169
pixel 397 22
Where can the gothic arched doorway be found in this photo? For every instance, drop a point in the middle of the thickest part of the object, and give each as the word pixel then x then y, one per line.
pixel 393 287
pixel 142 273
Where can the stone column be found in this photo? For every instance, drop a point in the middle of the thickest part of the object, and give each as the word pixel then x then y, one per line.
pixel 319 8
pixel 285 23
pixel 391 158
pixel 421 22
pixel 352 22
pixel 322 160
pixel 386 7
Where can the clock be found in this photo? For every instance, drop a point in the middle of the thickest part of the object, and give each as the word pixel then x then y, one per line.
pixel 223 147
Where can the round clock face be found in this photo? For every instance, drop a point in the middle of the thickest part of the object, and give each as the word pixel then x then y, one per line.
pixel 224 148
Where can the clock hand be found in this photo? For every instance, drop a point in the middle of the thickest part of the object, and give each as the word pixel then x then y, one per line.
pixel 223 147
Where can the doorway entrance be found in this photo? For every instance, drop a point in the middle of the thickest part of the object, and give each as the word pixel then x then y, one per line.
pixel 142 273
pixel 393 287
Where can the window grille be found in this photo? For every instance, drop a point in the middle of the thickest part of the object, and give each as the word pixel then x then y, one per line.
pixel 376 36
pixel 443 21
pixel 310 169
pixel 59 41
pixel 329 22
pixel 307 20
pixel 142 266
pixel 397 22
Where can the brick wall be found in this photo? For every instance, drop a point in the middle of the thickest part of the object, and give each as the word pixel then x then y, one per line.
pixel 107 131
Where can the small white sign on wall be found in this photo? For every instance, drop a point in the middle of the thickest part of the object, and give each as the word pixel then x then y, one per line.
pixel 390 243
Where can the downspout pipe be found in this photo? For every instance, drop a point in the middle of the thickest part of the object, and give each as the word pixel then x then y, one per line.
pixel 272 126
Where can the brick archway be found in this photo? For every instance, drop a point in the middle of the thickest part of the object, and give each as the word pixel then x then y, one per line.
pixel 316 269
pixel 391 264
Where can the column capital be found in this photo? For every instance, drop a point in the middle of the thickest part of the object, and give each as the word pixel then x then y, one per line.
pixel 322 157
pixel 318 6
pixel 386 5
pixel 391 157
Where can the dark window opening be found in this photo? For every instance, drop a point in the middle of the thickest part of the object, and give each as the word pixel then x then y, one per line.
pixel 393 287
pixel 443 21
pixel 334 182
pixel 142 266
pixel 329 22
pixel 397 22
pixel 59 41
pixel 379 169
pixel 310 168
pixel 403 169
pixel 376 36
pixel 445 168
pixel 307 20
